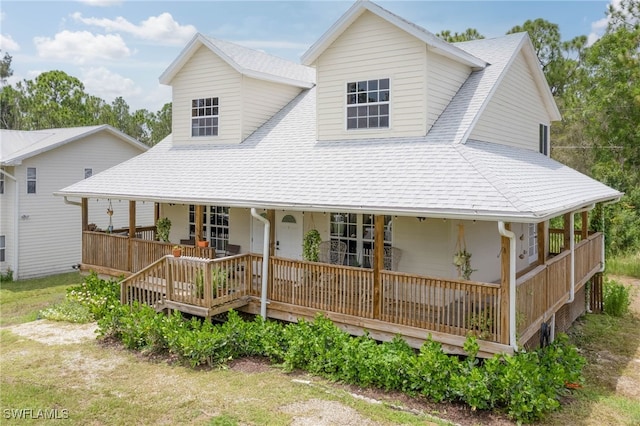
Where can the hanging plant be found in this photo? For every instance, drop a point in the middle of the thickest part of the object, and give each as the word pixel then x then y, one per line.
pixel 163 227
pixel 462 258
pixel 311 245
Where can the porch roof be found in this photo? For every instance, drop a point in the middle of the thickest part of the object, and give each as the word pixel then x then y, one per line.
pixel 283 166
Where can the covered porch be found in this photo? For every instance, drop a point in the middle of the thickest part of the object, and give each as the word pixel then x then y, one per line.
pixel 380 302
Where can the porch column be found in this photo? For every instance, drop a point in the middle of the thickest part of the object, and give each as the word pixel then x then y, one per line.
pixel 84 206
pixel 378 264
pixel 567 231
pixel 504 287
pixel 198 233
pixel 542 242
pixel 585 225
pixel 132 234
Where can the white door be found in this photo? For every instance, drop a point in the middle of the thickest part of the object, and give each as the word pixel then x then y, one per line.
pixel 289 235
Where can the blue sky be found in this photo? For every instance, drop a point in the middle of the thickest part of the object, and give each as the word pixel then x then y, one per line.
pixel 120 48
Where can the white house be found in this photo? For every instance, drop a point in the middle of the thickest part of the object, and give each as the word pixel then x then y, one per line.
pixel 39 234
pixel 403 150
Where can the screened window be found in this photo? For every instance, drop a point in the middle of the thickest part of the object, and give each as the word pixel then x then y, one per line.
pixel 368 104
pixel 88 173
pixel 3 248
pixel 357 232
pixel 544 139
pixel 215 225
pixel 31 180
pixel 204 117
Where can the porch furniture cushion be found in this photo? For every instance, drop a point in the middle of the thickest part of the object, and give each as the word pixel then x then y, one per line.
pixel 188 242
pixel 232 250
pixel 332 252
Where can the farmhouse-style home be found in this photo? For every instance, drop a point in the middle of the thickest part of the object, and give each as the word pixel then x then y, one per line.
pixel 39 235
pixel 423 166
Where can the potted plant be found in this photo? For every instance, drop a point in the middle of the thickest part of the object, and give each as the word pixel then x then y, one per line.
pixel 177 251
pixel 203 243
pixel 163 227
pixel 311 245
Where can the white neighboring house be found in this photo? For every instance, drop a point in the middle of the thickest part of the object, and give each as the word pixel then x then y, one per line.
pixel 39 234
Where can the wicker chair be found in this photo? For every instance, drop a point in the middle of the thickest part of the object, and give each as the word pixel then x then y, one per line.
pixel 392 257
pixel 332 252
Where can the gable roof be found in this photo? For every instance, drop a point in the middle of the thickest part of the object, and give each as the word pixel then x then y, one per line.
pixel 18 145
pixel 433 43
pixel 281 165
pixel 249 62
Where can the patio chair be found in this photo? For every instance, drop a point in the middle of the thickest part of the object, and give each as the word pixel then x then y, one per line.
pixel 232 250
pixel 332 252
pixel 392 257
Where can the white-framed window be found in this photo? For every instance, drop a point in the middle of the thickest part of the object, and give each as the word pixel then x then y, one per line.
pixel 3 248
pixel 357 232
pixel 533 242
pixel 88 172
pixel 215 225
pixel 1 183
pixel 31 180
pixel 544 139
pixel 204 117
pixel 368 104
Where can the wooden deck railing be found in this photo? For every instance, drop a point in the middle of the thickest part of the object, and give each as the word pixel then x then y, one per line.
pixel 192 281
pixel 448 306
pixel 336 288
pixel 556 240
pixel 547 285
pixel 105 250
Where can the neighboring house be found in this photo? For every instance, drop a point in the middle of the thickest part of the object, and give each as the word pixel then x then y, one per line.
pixel 39 234
pixel 402 150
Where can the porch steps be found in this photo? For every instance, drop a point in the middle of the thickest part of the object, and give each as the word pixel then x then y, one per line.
pixel 202 311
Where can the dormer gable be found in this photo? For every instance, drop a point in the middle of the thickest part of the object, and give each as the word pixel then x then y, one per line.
pixel 222 92
pixel 380 76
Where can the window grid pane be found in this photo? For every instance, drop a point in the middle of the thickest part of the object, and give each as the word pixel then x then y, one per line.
pixel 368 104
pixel 31 180
pixel 204 117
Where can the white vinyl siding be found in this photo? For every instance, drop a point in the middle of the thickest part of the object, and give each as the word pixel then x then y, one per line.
pixel 50 230
pixel 513 115
pixel 205 75
pixel 369 49
pixel 445 77
pixel 261 101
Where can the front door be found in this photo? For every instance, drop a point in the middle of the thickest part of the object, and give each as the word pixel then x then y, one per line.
pixel 289 235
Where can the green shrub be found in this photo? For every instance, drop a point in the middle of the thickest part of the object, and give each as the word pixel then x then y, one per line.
pixel 100 296
pixel 616 298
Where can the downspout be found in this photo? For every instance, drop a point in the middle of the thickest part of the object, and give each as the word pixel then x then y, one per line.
pixel 72 203
pixel 16 224
pixel 265 262
pixel 572 248
pixel 512 283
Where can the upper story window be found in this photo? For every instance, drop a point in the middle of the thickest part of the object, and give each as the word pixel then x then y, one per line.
pixel 204 117
pixel 544 139
pixel 368 104
pixel 31 180
pixel 88 172
pixel 1 183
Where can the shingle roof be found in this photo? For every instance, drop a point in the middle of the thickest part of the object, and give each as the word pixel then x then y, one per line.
pixel 282 165
pixel 246 61
pixel 18 145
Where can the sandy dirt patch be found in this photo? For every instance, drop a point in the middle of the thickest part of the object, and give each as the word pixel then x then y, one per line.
pixel 316 412
pixel 55 333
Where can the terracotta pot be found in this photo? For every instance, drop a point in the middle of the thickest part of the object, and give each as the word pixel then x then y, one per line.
pixel 177 252
pixel 203 243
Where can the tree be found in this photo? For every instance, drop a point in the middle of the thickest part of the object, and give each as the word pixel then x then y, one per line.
pixel 161 124
pixel 5 68
pixel 468 35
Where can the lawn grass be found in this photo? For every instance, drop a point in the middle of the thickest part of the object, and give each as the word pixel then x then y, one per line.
pixel 628 265
pixel 20 301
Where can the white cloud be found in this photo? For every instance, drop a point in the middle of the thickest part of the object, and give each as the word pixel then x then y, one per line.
pixel 8 44
pixel 81 47
pixel 162 28
pixel 108 85
pixel 101 3
pixel 599 27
